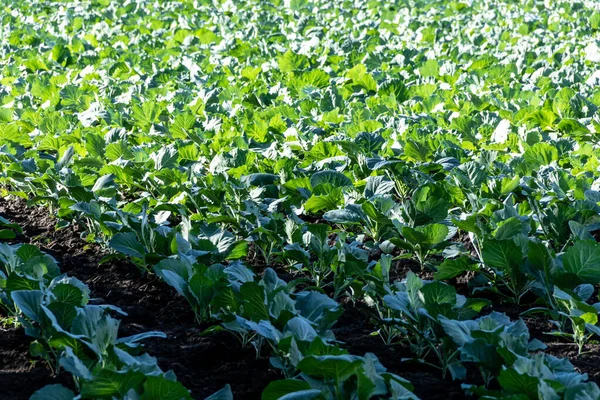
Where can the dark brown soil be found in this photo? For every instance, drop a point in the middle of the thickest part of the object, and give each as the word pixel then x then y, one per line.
pixel 20 376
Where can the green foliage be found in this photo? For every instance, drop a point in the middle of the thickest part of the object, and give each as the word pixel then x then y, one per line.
pixel 212 145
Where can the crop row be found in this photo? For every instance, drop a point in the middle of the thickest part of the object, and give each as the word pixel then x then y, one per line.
pixel 70 333
pixel 215 144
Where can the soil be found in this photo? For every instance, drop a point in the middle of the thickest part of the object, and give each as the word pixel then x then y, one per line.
pixel 588 362
pixel 19 375
pixel 204 364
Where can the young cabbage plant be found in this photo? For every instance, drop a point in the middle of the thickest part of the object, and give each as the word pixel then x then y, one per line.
pixel 207 289
pixel 259 218
pixel 372 216
pixel 572 316
pixel 93 208
pixel 417 308
pixel 491 219
pixel 541 376
pixel 268 314
pixel 340 376
pixel 268 237
pixel 145 237
pixel 23 266
pixel 256 312
pixel 97 219
pixel 326 190
pixel 351 270
pixel 316 255
pixel 509 360
pixel 541 265
pixel 505 268
pixel 427 205
pixel 85 343
pixel 490 342
pixel 46 312
pixel 376 287
pixel 336 267
pixel 424 242
pixel 560 217
pixel 79 338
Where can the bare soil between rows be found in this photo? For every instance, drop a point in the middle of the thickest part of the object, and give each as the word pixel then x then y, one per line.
pixel 204 364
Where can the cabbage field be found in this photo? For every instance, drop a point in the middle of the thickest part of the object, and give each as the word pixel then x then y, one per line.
pixel 299 199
